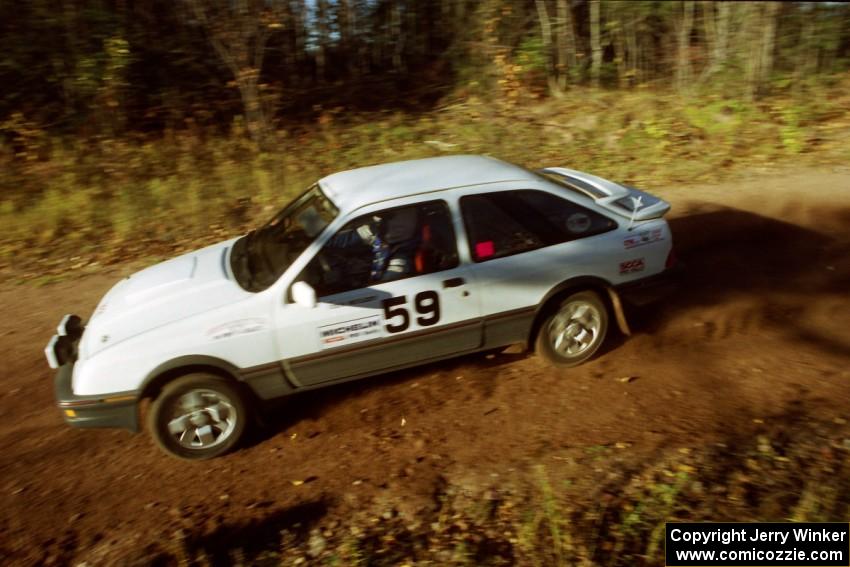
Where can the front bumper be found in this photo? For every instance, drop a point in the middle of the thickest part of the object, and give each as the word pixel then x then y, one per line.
pixel 118 410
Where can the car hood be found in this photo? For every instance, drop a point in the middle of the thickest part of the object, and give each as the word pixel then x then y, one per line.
pixel 161 294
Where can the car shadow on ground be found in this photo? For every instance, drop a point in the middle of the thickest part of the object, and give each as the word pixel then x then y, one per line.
pixel 728 252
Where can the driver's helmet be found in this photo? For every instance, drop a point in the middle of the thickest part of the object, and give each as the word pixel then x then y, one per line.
pixel 311 221
pixel 400 226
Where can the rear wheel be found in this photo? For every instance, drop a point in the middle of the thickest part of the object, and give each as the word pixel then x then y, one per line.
pixel 574 331
pixel 198 416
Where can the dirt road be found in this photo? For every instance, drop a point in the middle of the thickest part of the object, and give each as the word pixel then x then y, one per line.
pixel 760 329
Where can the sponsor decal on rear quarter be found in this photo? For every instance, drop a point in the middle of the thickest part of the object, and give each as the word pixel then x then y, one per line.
pixel 632 266
pixel 643 237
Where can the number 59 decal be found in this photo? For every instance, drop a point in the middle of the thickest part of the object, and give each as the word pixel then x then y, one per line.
pixel 426 303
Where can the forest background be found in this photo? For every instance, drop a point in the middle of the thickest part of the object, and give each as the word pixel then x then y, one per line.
pixel 132 130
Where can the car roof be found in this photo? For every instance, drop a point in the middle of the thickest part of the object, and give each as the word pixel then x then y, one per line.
pixel 355 188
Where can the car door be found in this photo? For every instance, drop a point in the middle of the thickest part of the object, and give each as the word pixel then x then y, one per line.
pixel 391 292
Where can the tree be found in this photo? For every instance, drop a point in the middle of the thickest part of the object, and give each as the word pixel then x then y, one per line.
pixel 716 22
pixel 239 31
pixel 760 43
pixel 595 44
pixel 684 25
pixel 546 34
pixel 566 45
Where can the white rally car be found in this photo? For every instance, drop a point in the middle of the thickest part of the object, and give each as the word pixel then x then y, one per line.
pixel 368 271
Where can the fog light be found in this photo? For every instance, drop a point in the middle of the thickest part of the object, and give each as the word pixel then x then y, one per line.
pixel 70 413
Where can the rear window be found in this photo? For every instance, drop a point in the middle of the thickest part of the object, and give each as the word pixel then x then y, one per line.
pixel 511 222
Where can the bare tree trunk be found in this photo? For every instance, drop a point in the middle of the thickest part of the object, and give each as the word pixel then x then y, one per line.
pixel 630 33
pixel 561 44
pixel 753 23
pixel 546 33
pixel 255 115
pixel 683 35
pixel 566 48
pixel 239 33
pixel 768 43
pixel 346 35
pixel 69 15
pixel 595 44
pixel 322 25
pixel 397 37
pixel 619 48
pixel 807 59
pixel 299 32
pixel 716 18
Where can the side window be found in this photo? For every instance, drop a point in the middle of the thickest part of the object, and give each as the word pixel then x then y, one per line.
pixel 383 246
pixel 510 222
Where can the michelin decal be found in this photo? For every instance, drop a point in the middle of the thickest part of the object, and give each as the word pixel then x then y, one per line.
pixel 349 332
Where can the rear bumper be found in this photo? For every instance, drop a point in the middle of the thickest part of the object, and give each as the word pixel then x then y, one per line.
pixel 650 289
pixel 118 410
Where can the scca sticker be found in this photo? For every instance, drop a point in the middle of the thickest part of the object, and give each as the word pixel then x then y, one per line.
pixel 644 237
pixel 349 332
pixel 632 266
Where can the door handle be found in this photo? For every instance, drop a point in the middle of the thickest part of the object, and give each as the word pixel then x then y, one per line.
pixel 453 282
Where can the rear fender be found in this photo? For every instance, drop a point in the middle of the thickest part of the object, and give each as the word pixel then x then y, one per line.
pixel 606 292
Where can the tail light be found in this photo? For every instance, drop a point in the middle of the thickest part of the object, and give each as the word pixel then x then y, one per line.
pixel 671 259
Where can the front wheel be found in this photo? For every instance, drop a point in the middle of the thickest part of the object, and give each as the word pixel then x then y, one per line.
pixel 574 331
pixel 199 416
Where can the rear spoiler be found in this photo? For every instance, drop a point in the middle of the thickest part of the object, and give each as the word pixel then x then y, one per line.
pixel 628 202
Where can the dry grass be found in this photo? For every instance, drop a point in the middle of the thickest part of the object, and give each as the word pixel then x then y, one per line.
pixel 67 204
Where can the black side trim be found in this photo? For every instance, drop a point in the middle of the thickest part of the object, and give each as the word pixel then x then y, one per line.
pixel 268 381
pixel 510 314
pixel 508 327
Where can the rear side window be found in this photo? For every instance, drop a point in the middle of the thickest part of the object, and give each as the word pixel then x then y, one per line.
pixel 510 222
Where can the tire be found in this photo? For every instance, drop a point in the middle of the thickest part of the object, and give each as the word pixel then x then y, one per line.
pixel 572 332
pixel 198 416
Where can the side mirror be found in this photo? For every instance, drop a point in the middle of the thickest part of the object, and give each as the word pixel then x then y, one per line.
pixel 303 294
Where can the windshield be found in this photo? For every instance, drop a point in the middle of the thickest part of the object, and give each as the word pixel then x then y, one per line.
pixel 261 256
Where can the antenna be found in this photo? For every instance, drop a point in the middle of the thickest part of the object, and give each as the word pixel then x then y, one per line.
pixel 637 203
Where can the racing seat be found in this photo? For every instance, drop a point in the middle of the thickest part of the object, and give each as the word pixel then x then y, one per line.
pixel 422 260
